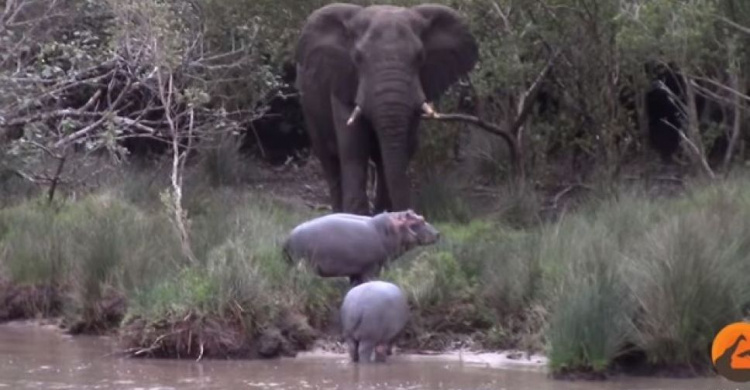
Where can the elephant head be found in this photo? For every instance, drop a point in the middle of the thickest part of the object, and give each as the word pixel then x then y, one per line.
pixel 386 64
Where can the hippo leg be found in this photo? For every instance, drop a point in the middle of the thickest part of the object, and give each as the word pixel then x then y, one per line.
pixel 389 348
pixel 353 345
pixel 366 348
pixel 363 277
pixel 355 280
pixel 381 350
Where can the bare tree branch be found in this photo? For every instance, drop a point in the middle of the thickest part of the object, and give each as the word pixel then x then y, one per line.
pixel 486 126
pixel 737 125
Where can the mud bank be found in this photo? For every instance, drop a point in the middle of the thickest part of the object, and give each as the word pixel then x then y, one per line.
pixel 510 359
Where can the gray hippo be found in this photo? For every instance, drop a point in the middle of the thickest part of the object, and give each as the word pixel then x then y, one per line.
pixel 356 246
pixel 373 315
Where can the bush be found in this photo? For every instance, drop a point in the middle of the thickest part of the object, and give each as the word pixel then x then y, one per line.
pixel 690 277
pixel 658 276
pixel 584 293
pixel 32 245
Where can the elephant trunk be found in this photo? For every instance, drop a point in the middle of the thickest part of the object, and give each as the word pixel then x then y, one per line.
pixel 392 98
pixel 392 124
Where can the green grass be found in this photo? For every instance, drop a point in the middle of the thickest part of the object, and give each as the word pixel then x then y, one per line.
pixel 661 276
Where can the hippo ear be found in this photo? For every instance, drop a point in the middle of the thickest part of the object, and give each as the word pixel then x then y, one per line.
pixel 401 216
pixel 413 217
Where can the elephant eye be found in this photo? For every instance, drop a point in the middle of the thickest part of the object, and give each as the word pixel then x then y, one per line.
pixel 420 58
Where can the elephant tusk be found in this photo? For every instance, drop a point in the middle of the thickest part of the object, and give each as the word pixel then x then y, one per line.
pixel 428 110
pixel 354 116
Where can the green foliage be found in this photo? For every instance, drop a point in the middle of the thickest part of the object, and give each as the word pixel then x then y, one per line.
pixel 439 200
pixel 585 294
pixel 88 246
pixel 690 275
pixel 659 276
pixel 663 276
pixel 222 163
pixel 669 30
pixel 32 249
pixel 590 325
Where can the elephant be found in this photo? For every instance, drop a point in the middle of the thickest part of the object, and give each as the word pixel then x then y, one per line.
pixel 356 246
pixel 373 315
pixel 366 76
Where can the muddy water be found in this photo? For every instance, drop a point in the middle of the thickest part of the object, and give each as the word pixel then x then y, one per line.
pixel 40 358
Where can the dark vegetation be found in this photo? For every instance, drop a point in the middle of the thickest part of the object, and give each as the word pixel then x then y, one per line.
pixel 153 156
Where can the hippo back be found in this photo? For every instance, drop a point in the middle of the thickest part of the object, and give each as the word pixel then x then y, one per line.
pixel 336 244
pixel 376 310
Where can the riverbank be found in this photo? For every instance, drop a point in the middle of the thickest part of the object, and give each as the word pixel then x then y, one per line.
pixel 330 349
pixel 625 283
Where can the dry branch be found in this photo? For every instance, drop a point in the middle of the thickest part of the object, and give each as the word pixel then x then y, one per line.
pixel 486 126
pixel 528 97
pixel 513 137
pixel 737 125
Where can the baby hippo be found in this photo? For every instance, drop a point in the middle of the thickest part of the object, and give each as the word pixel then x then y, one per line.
pixel 373 315
pixel 357 246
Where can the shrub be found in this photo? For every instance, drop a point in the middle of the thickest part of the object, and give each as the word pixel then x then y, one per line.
pixel 584 289
pixel 690 278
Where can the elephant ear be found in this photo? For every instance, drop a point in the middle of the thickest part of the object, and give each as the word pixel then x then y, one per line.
pixel 450 49
pixel 324 44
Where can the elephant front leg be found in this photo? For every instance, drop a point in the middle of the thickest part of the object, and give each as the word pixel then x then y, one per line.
pixel 382 199
pixel 354 154
pixel 332 168
pixel 354 184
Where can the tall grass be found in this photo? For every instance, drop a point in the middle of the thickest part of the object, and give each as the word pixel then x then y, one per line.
pixel 691 276
pixel 32 249
pixel 439 199
pixel 584 291
pixel 661 276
